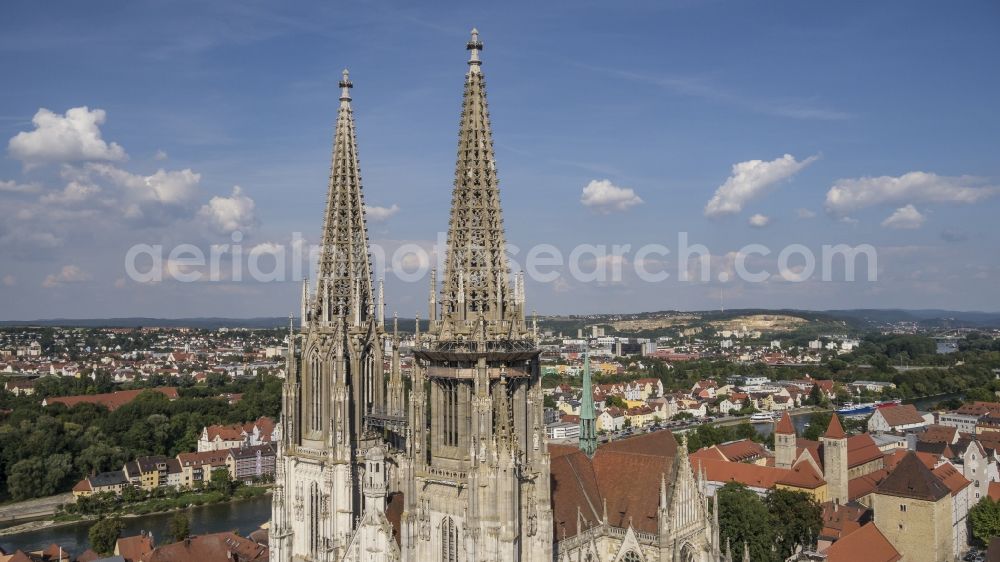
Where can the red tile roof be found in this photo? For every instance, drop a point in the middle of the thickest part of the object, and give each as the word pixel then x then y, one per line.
pixel 892 459
pixel 582 485
pixel 840 520
pixel 743 450
pixel 835 430
pixel 861 449
pixel 111 400
pixel 939 434
pixel 213 458
pixel 785 426
pixel 215 547
pixel 903 414
pixel 802 475
pixel 752 475
pixel 994 491
pixel 912 479
pixel 979 408
pixel 867 544
pixel 861 486
pixel 135 547
pixel 951 477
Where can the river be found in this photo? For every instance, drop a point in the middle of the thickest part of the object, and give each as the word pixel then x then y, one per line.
pixel 798 420
pixel 243 517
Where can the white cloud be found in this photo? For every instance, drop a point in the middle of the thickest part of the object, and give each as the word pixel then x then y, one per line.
pixel 228 214
pixel 759 221
pixel 907 217
pixel 174 187
pixel 74 192
pixel 848 195
pixel 14 187
pixel 380 214
pixel 749 180
pixel 268 248
pixel 9 280
pixel 605 197
pixel 805 213
pixel 68 274
pixel 160 155
pixel 72 137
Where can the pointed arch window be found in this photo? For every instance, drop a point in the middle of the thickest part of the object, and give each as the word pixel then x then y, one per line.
pixel 316 392
pixel 314 518
pixel 449 417
pixel 631 556
pixel 449 540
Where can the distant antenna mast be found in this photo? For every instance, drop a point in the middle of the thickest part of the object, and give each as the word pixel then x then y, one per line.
pixel 722 307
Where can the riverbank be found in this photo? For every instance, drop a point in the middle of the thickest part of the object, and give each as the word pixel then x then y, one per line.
pixel 38 524
pixel 244 517
pixel 33 509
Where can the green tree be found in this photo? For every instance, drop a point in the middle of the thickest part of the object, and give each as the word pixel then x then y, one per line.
pixel 818 422
pixel 744 519
pixel 616 401
pixel 222 482
pixel 179 527
pixel 985 518
pixel 37 476
pixel 797 519
pixel 104 534
pixel 815 396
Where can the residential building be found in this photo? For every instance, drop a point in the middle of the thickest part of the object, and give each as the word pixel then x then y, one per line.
pixel 246 464
pixel 197 468
pixel 913 509
pixel 902 417
pixel 964 423
pixel 113 481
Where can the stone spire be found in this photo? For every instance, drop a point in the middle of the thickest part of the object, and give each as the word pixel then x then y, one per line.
pixel 588 431
pixel 785 442
pixel 835 430
pixel 476 272
pixel 344 284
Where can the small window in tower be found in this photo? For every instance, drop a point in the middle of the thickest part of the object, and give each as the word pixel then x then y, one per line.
pixel 902 507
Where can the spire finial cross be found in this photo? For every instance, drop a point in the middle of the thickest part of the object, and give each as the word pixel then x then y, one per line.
pixel 474 46
pixel 345 86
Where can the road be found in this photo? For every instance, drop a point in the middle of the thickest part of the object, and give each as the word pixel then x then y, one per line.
pixel 30 509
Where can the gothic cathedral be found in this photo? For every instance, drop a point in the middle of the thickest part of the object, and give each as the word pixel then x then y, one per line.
pixel 457 468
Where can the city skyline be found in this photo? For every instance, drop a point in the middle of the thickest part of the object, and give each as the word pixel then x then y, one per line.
pixel 608 134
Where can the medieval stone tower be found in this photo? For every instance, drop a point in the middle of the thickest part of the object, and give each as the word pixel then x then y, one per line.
pixel 785 443
pixel 480 481
pixel 335 374
pixel 835 460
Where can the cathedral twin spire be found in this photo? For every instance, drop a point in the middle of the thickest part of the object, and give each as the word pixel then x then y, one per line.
pixel 476 278
pixel 343 292
pixel 476 285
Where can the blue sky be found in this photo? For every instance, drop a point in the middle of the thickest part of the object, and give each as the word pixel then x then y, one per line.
pixel 887 113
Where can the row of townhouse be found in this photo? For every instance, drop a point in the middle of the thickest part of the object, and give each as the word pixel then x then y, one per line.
pixel 221 437
pixel 186 470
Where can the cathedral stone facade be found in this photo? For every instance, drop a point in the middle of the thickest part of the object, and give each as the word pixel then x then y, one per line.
pixel 457 468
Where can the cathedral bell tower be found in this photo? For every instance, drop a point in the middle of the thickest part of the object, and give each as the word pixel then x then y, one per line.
pixel 481 464
pixel 334 374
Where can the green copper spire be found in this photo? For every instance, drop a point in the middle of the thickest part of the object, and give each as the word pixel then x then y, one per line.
pixel 588 431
